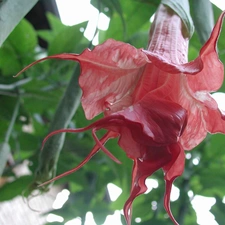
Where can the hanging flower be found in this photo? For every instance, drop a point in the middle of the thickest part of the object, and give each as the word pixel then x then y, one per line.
pixel 156 102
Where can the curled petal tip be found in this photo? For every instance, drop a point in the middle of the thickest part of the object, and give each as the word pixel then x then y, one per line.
pixel 167 201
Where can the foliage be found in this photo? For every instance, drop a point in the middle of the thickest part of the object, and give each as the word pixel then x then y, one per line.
pixel 11 12
pixel 39 91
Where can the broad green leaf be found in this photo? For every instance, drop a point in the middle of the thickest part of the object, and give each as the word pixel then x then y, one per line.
pixel 139 39
pixel 9 63
pixel 12 12
pixel 55 23
pixel 19 48
pixel 67 40
pixel 111 6
pixel 23 38
pixel 194 47
pixel 101 212
pixel 15 188
pixel 211 167
pixel 203 18
pixel 45 35
pixel 28 143
pixel 56 26
pixel 218 210
pixel 133 22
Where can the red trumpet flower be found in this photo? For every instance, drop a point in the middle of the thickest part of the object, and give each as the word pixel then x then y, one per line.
pixel 154 100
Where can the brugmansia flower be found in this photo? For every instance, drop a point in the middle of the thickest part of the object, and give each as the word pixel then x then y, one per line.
pixel 153 100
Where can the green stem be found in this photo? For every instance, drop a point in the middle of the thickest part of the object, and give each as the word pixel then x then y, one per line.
pixel 5 147
pixel 15 113
pixel 15 84
pixel 66 109
pixel 4 154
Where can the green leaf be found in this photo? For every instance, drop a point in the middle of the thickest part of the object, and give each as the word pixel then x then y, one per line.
pixel 101 212
pixel 55 22
pixel 12 12
pixel 15 188
pixel 28 143
pixel 203 18
pixel 139 39
pixel 133 22
pixel 181 7
pixel 19 48
pixel 9 63
pixel 113 5
pixel 218 210
pixel 23 38
pixel 67 39
pixel 56 26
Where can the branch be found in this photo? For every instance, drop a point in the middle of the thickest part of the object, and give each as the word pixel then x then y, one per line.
pixel 66 109
pixel 5 147
pixel 15 113
pixel 14 85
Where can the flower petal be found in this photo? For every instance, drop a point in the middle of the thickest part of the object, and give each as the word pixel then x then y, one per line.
pixel 172 170
pixel 155 158
pixel 95 149
pixel 215 121
pixel 160 121
pixel 203 116
pixel 220 100
pixel 212 75
pixel 195 130
pixel 168 40
pixel 109 73
pixel 204 67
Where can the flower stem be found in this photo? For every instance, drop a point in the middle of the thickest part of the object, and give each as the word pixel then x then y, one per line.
pixel 67 107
